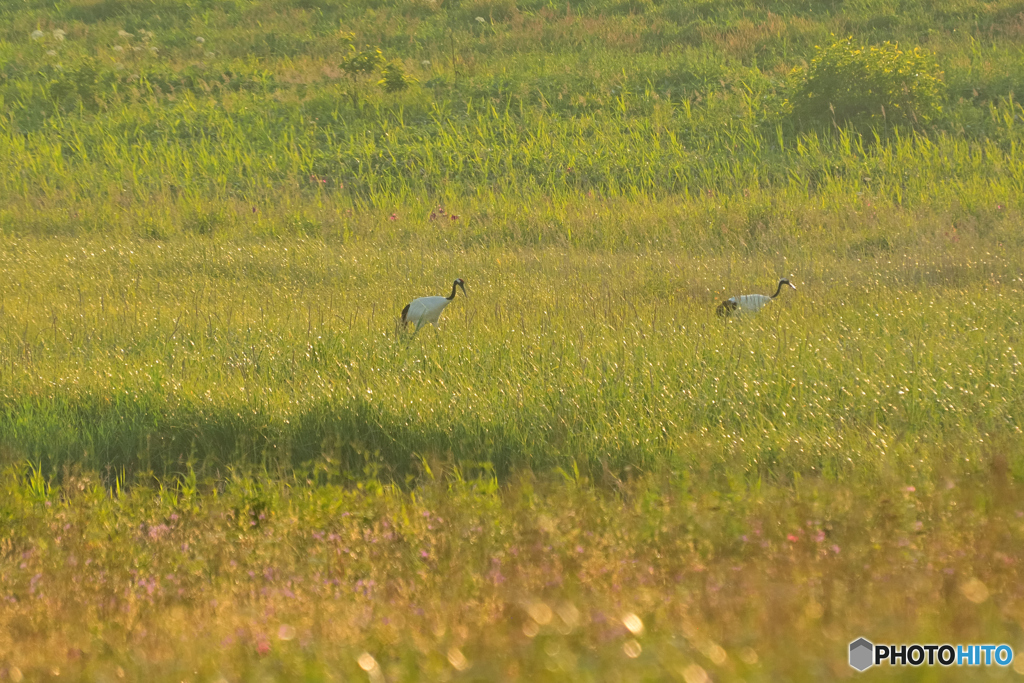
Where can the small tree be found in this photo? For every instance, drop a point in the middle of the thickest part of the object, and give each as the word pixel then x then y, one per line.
pixel 359 64
pixel 395 79
pixel 845 83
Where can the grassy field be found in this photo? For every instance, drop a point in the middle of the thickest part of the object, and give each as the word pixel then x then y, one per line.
pixel 222 459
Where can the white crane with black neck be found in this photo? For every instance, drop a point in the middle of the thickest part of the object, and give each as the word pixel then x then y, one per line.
pixel 427 309
pixel 749 303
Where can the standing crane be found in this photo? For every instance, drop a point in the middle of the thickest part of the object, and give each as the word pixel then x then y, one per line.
pixel 749 303
pixel 427 309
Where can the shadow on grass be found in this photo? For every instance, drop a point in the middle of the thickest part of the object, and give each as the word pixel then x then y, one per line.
pixel 329 440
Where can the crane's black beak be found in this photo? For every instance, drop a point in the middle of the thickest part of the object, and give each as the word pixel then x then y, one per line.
pixel 463 289
pixel 791 285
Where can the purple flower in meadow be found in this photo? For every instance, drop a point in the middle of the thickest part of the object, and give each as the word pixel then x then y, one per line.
pixel 835 548
pixel 819 536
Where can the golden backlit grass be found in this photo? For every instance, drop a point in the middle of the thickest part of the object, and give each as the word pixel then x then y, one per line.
pixel 534 580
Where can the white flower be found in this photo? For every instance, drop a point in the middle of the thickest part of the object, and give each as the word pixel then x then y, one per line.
pixel 200 40
pixel 37 34
pixel 118 48
pixel 425 62
pixel 480 20
pixel 52 53
pixel 125 34
pixel 58 34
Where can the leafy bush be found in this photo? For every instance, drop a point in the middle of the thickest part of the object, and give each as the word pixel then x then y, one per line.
pixel 395 78
pixel 845 83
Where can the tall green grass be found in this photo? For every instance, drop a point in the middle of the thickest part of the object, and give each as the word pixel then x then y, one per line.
pixel 256 130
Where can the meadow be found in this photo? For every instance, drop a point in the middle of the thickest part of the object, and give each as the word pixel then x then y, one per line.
pixel 223 459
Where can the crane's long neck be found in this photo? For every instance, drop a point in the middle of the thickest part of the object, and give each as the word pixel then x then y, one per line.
pixel 777 290
pixel 453 292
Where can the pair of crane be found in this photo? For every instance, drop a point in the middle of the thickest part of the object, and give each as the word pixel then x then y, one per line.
pixel 427 309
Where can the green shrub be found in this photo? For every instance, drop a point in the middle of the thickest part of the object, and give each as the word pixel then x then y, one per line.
pixel 855 85
pixel 395 78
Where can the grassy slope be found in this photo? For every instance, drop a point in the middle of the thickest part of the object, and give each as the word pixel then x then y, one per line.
pixel 538 103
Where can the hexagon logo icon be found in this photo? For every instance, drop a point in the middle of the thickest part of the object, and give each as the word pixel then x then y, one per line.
pixel 861 654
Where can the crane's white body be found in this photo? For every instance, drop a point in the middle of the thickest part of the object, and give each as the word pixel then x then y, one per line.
pixel 427 309
pixel 749 303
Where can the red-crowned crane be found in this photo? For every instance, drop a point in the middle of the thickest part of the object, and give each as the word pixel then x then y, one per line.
pixel 427 309
pixel 749 303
